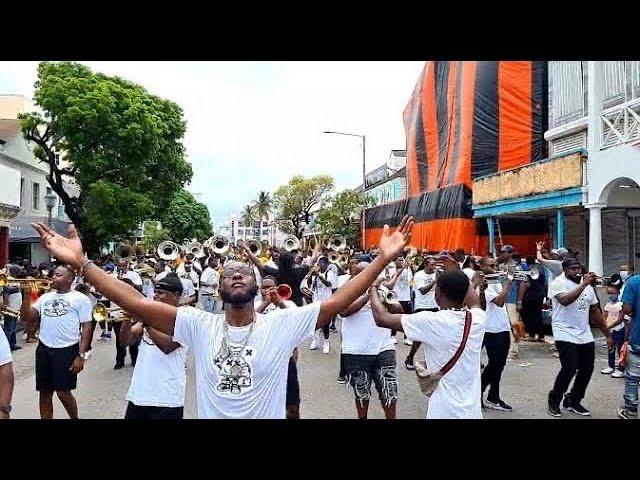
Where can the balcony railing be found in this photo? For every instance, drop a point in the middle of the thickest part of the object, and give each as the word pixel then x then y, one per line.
pixel 620 124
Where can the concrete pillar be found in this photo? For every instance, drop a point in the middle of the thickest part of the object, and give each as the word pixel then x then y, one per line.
pixel 492 236
pixel 594 107
pixel 595 237
pixel 559 228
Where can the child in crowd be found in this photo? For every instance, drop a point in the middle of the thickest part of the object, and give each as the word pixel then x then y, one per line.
pixel 615 322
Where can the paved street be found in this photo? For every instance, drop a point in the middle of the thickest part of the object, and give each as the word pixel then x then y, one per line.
pixel 101 390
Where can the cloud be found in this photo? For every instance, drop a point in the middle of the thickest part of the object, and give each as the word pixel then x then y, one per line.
pixel 253 125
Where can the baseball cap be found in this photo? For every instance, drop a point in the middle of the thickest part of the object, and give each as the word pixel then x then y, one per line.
pixel 570 262
pixel 507 249
pixel 170 283
pixel 562 251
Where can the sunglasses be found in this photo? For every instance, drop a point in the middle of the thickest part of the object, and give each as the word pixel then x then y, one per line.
pixel 229 272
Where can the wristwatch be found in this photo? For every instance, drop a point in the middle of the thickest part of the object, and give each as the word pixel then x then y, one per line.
pixel 85 356
pixel 5 409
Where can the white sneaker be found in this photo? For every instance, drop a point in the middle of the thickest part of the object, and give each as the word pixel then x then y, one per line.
pixel 325 347
pixel 607 371
pixel 314 344
pixel 408 342
pixel 617 374
pixel 395 341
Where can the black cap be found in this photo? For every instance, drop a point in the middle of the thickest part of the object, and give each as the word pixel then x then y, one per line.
pixel 570 262
pixel 615 281
pixel 170 283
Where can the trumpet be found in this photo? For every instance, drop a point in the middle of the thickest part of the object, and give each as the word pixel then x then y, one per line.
pixel 284 291
pixel 387 296
pixel 307 292
pixel 168 251
pixel 100 313
pixel 291 243
pixel 145 270
pixel 33 283
pixel 599 281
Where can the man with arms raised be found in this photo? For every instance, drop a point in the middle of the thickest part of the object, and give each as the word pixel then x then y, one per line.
pixel 241 356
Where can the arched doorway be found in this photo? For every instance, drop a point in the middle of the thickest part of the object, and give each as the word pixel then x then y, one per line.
pixel 620 224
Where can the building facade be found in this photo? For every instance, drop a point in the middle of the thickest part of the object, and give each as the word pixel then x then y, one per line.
pixel 588 190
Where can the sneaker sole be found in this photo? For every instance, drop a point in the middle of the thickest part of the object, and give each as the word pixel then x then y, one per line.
pixel 494 406
pixel 624 417
pixel 573 410
pixel 554 414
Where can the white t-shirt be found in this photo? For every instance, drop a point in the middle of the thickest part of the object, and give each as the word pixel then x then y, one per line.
pixel 159 379
pixel 271 264
pixel 333 278
pixel 571 323
pixel 272 308
pixel 148 289
pixel 191 276
pixel 131 275
pixel 469 272
pixel 320 290
pixel 60 317
pixel 187 289
pixel 15 300
pixel 161 275
pixel 210 276
pixel 249 382
pixel 458 392
pixel 403 292
pixel 5 350
pixel 497 317
pixel 421 279
pixel 361 335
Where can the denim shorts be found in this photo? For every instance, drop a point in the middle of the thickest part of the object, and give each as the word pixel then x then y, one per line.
pixel 361 370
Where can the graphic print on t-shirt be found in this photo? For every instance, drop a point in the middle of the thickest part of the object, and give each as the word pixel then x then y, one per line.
pixel 56 307
pixel 583 302
pixel 233 368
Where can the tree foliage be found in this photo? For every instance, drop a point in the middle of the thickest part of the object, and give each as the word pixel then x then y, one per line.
pixel 122 145
pixel 341 214
pixel 153 235
pixel 186 218
pixel 263 204
pixel 295 201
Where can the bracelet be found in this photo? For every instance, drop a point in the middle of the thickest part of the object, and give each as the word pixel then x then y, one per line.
pixel 84 265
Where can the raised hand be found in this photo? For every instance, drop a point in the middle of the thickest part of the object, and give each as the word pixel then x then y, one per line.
pixel 66 249
pixel 392 245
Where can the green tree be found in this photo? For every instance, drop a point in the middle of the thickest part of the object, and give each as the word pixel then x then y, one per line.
pixel 295 200
pixel 341 214
pixel 122 145
pixel 263 205
pixel 186 218
pixel 153 235
pixel 248 216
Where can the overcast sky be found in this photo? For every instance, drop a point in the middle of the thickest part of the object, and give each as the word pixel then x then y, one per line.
pixel 253 125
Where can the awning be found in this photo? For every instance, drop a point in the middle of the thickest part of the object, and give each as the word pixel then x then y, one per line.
pixel 21 230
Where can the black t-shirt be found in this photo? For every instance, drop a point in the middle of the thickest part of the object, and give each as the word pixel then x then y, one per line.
pixel 293 280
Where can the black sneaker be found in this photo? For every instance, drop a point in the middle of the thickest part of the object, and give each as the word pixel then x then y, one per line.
pixel 409 364
pixel 333 329
pixel 482 405
pixel 499 405
pixel 342 380
pixel 579 409
pixel 118 366
pixel 626 414
pixel 554 408
pixel 566 401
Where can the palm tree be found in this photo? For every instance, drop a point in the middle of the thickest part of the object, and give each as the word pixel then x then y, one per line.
pixel 247 217
pixel 262 206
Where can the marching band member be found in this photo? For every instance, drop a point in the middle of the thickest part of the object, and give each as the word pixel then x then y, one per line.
pixel 158 384
pixel 250 351
pixel 62 350
pixel 320 281
pixel 209 287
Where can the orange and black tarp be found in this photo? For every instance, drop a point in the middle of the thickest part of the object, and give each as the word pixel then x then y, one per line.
pixel 465 120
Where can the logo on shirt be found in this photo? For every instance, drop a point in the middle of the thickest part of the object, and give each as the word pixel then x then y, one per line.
pixel 57 307
pixel 583 302
pixel 233 369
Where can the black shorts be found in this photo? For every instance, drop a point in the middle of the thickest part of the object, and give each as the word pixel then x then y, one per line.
pixel 52 368
pixel 137 412
pixel 407 307
pixel 293 387
pixel 361 370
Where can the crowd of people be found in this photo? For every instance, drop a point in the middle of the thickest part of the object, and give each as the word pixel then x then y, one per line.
pixel 244 317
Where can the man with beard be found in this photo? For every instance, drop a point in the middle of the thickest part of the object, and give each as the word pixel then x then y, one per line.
pixel 241 356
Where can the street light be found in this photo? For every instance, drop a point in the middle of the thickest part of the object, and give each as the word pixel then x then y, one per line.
pixel 364 196
pixel 50 200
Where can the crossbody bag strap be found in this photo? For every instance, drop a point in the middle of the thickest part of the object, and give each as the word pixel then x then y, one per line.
pixel 467 328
